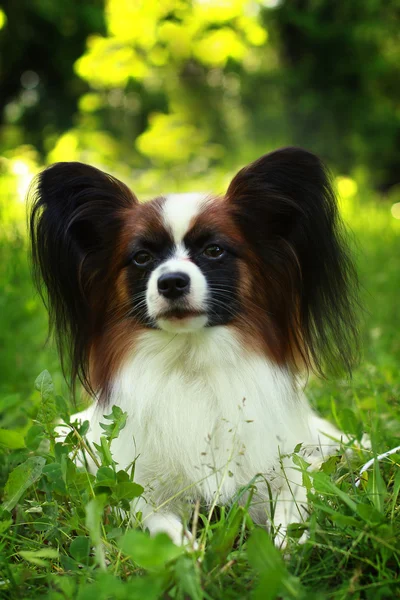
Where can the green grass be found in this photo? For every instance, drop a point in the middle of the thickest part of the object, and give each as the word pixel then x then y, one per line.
pixel 63 533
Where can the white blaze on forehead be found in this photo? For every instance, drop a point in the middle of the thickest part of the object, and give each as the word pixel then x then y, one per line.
pixel 179 210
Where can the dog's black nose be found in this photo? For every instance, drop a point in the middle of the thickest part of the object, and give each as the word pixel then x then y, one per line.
pixel 173 285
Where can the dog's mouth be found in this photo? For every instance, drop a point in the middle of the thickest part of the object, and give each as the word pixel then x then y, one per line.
pixel 181 320
pixel 180 314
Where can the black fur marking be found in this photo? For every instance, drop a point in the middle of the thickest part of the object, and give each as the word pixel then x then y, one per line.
pixel 222 275
pixel 161 247
pixel 75 221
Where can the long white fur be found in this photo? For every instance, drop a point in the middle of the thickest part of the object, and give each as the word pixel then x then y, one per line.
pixel 205 416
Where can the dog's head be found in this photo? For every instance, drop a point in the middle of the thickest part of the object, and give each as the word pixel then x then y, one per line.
pixel 267 258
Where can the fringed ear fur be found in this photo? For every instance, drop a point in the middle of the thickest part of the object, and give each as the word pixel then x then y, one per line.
pixel 285 207
pixel 76 217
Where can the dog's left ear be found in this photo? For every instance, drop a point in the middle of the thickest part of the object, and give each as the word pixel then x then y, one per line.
pixel 285 207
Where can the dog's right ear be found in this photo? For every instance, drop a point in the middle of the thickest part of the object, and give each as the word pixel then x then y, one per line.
pixel 77 214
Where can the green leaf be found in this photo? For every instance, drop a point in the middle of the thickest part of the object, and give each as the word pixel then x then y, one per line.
pixel 20 479
pixel 48 408
pixel 377 488
pixel 80 549
pixel 118 418
pixel 350 423
pixel 395 493
pixel 34 436
pixel 188 577
pixel 122 476
pixel 149 552
pixel 303 466
pixel 369 514
pixel 145 588
pixel 262 553
pixel 62 408
pixel 224 538
pixel 323 485
pixel 5 524
pixel 94 516
pixel 106 477
pixel 36 556
pixel 55 477
pixel 267 561
pixel 127 490
pixel 11 439
pixel 108 587
pixel 104 451
pixel 329 465
pixel 296 530
pixel 346 521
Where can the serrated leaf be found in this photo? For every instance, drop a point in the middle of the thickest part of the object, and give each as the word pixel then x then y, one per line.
pixel 48 408
pixel 118 418
pixel 104 451
pixel 149 552
pixel 11 439
pixel 20 479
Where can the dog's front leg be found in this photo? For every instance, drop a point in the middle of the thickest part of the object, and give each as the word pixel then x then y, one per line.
pixel 290 505
pixel 163 520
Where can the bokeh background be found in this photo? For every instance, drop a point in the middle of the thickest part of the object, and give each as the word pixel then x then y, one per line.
pixel 176 95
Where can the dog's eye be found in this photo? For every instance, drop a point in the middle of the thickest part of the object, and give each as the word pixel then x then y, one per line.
pixel 142 258
pixel 213 251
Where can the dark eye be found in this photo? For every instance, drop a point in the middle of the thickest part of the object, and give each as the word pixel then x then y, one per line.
pixel 213 251
pixel 142 258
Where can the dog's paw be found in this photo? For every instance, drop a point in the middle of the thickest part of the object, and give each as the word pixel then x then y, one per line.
pixel 171 525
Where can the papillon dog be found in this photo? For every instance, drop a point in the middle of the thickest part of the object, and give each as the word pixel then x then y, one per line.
pixel 198 316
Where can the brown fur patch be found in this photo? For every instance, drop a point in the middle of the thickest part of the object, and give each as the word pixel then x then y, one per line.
pixel 116 334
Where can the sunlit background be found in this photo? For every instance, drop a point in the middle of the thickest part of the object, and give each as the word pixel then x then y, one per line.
pixel 175 95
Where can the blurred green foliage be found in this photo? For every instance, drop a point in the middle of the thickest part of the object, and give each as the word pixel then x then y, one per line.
pixel 167 92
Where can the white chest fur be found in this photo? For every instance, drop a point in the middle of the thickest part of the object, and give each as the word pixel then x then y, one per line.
pixel 204 415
